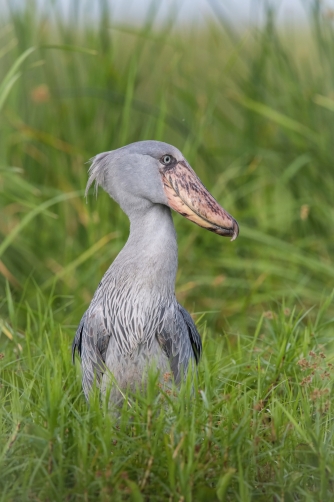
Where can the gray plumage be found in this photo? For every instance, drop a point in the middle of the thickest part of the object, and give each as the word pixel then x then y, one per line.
pixel 134 320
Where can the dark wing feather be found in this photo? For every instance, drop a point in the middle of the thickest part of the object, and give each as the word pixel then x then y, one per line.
pixel 91 341
pixel 76 345
pixel 180 340
pixel 194 335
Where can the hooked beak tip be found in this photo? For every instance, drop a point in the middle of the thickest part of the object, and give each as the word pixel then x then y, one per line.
pixel 226 231
pixel 235 231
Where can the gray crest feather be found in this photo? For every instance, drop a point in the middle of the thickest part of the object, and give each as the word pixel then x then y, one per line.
pixel 96 172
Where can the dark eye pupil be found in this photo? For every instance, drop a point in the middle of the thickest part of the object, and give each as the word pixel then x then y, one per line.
pixel 167 159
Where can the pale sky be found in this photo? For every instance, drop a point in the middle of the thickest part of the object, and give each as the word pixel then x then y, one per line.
pixel 135 11
pixel 240 10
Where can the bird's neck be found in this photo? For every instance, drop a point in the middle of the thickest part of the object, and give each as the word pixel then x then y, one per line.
pixel 149 257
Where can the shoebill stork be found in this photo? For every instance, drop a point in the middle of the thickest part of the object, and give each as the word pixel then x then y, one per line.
pixel 134 320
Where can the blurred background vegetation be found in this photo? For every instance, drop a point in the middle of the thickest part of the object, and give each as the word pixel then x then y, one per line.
pixel 252 109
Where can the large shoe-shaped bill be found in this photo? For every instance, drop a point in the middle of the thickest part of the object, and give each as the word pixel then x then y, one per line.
pixel 188 196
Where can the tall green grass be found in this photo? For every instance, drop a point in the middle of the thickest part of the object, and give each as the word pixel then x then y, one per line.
pixel 253 112
pixel 258 424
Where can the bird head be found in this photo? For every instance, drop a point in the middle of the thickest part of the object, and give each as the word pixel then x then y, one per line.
pixel 152 172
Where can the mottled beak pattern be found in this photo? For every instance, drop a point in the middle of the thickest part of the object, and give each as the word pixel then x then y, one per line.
pixel 188 196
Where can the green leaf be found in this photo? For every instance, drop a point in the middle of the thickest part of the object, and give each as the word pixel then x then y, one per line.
pixel 279 118
pixel 223 483
pixel 32 214
pixel 324 102
pixel 12 75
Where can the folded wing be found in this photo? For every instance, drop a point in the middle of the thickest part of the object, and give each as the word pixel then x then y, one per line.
pixel 180 340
